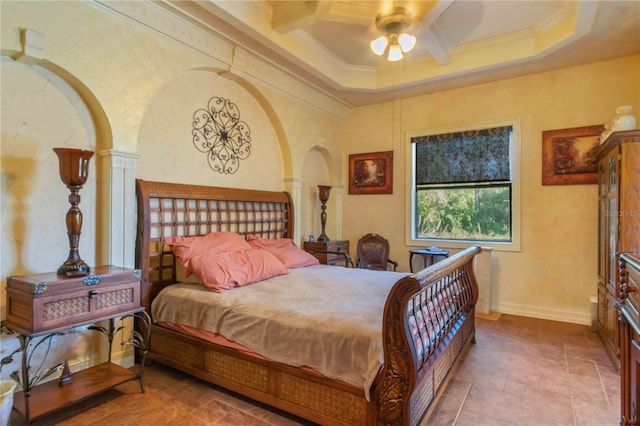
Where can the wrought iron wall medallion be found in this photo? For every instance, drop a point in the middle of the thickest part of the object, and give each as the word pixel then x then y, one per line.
pixel 218 132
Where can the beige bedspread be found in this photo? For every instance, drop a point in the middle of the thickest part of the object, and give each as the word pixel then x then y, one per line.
pixel 325 317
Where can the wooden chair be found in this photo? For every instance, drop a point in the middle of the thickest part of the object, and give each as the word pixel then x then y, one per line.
pixel 373 253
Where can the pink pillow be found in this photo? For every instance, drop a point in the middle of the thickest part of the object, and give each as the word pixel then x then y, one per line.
pixel 285 250
pixel 186 248
pixel 225 270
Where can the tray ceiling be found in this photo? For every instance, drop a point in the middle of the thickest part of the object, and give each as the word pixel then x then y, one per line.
pixel 459 43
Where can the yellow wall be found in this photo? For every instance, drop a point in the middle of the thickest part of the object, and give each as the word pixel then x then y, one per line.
pixel 554 274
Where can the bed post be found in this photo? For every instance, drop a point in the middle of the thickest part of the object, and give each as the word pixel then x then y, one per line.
pixel 396 377
pixel 142 243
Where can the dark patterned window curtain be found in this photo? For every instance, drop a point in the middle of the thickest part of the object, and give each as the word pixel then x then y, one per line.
pixel 461 157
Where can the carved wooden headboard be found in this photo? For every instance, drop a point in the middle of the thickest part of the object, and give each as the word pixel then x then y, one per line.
pixel 171 209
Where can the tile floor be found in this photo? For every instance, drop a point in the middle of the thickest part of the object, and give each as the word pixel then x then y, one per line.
pixel 521 371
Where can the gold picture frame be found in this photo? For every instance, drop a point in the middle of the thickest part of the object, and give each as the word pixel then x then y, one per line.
pixel 371 173
pixel 569 155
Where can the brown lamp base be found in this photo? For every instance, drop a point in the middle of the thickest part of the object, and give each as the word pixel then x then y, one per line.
pixel 74 269
pixel 74 169
pixel 323 195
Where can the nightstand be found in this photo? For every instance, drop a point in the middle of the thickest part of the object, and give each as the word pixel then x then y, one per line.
pixel 329 252
pixel 41 306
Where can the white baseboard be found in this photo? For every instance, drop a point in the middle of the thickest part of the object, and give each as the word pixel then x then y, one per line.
pixel 125 358
pixel 542 313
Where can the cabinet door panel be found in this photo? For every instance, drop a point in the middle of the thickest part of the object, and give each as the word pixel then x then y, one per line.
pixel 612 244
pixel 602 240
pixel 628 199
pixel 612 323
pixel 602 307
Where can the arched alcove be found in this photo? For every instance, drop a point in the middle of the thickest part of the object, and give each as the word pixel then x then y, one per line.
pixel 283 140
pixel 166 144
pixel 44 107
pixel 35 101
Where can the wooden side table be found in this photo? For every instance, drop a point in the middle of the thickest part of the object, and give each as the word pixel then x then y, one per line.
pixel 329 252
pixel 41 306
pixel 428 255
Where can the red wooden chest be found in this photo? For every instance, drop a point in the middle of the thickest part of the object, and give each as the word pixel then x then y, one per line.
pixel 42 303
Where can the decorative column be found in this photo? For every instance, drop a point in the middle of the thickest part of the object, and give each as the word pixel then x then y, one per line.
pixel 116 221
pixel 338 192
pixel 117 209
pixel 294 187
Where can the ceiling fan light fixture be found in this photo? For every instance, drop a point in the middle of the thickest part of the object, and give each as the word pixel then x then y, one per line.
pixel 395 53
pixel 379 45
pixel 406 42
pixel 393 27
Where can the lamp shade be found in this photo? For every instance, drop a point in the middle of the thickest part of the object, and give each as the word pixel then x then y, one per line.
pixel 323 192
pixel 406 42
pixel 395 53
pixel 73 165
pixel 379 45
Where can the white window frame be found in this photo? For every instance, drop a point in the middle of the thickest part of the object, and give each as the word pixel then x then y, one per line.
pixel 516 190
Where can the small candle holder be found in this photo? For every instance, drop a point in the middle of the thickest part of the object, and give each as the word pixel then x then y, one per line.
pixel 66 375
pixel 74 170
pixel 323 195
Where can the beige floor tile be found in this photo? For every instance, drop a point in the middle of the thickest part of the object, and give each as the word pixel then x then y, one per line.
pixel 470 418
pixel 537 407
pixel 451 402
pixel 589 413
pixel 521 371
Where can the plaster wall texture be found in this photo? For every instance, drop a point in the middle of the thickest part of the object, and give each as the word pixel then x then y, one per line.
pixel 138 87
pixel 39 114
pixel 554 274
pixel 166 143
pixel 117 85
pixel 131 70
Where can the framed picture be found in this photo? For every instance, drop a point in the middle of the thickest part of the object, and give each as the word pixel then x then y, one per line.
pixel 569 155
pixel 371 173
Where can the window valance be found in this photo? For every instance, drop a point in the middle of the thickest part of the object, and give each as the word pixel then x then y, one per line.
pixel 469 156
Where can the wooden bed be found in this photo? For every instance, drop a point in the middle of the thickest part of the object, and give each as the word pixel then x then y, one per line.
pixel 417 363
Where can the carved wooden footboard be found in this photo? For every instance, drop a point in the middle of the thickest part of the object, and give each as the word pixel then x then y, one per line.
pixel 428 321
pixel 428 317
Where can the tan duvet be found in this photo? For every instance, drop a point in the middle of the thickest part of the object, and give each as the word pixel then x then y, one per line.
pixel 324 317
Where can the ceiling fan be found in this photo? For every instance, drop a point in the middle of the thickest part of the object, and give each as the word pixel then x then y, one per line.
pixel 394 27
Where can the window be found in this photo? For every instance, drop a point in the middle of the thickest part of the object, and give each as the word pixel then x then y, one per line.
pixel 464 187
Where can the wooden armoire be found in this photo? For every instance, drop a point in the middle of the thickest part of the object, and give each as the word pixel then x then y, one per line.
pixel 619 226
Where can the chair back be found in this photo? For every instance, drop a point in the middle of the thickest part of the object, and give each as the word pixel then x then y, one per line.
pixel 373 252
